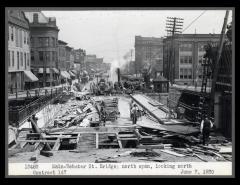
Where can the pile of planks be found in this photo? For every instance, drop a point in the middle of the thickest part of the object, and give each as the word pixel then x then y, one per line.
pixel 110 107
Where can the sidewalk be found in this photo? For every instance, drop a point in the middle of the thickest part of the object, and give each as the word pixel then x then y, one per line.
pixel 23 94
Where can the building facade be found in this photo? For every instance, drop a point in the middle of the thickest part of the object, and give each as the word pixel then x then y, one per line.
pixel 79 55
pixel 94 64
pixel 183 55
pixel 44 48
pixel 149 51
pixel 19 75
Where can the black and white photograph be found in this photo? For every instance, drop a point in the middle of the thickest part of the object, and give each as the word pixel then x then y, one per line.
pixel 145 91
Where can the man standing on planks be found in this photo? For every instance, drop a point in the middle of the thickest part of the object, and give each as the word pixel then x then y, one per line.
pixel 134 112
pixel 205 128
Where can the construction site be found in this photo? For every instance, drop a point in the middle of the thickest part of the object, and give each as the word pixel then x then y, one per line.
pixel 93 122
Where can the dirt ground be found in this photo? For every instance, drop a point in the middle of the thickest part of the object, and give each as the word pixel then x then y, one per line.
pixel 91 156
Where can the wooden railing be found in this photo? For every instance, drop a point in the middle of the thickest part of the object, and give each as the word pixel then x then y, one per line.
pixel 18 115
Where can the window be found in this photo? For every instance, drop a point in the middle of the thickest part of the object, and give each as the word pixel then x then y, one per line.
pixel 20 38
pixel 32 41
pixel 12 37
pixel 32 55
pixel 201 47
pixel 16 33
pixel 181 73
pixel 24 37
pixel 28 61
pixel 181 59
pixel 46 42
pixel 21 55
pixel 47 55
pixel 53 56
pixel 9 58
pixel 13 58
pixel 40 41
pixel 27 36
pixel 17 60
pixel 40 55
pixel 189 73
pixel 185 73
pixel 190 60
pixel 185 59
pixel 25 60
pixel 53 42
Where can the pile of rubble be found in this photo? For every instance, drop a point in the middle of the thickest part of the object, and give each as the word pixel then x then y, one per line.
pixel 76 113
pixel 110 108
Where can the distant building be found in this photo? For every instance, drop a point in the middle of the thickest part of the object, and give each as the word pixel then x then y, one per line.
pixel 94 64
pixel 187 56
pixel 79 55
pixel 149 51
pixel 63 61
pixel 44 41
pixel 19 75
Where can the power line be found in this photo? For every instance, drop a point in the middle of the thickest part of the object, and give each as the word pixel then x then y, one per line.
pixel 194 20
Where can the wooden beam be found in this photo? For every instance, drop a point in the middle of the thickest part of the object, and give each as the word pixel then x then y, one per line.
pixel 38 141
pixel 97 140
pixel 57 144
pixel 119 142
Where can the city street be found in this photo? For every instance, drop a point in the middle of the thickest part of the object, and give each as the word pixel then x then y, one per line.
pixel 150 86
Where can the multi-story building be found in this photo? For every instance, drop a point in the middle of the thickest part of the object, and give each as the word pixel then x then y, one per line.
pixel 183 54
pixel 69 61
pixel 44 41
pixel 93 64
pixel 63 63
pixel 79 58
pixel 149 51
pixel 19 75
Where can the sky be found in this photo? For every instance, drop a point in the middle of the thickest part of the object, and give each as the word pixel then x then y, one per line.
pixel 110 34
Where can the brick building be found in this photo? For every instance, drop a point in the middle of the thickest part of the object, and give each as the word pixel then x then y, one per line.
pixel 149 50
pixel 44 41
pixel 19 75
pixel 63 63
pixel 188 52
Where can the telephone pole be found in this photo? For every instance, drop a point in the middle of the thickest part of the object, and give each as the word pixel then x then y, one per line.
pixel 216 66
pixel 173 26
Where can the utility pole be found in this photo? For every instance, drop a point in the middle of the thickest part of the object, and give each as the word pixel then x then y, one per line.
pixel 44 69
pixel 173 26
pixel 130 62
pixel 216 67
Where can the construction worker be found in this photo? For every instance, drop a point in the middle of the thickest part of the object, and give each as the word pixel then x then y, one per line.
pixel 205 128
pixel 134 112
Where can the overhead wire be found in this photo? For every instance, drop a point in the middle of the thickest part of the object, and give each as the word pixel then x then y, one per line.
pixel 194 20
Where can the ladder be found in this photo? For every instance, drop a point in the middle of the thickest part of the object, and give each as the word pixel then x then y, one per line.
pixel 202 102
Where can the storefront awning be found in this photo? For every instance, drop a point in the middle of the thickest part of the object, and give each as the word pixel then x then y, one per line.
pixel 65 74
pixel 30 76
pixel 41 70
pixel 71 74
pixel 55 70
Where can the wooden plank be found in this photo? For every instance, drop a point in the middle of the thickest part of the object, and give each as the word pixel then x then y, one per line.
pixel 128 139
pixel 119 142
pixel 37 141
pixel 173 153
pixel 78 137
pixel 57 144
pixel 161 146
pixel 97 140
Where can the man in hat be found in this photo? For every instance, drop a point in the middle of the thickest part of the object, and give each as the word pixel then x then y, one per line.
pixel 134 112
pixel 205 128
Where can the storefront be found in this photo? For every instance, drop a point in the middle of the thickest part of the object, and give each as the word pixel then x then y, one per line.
pixel 30 78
